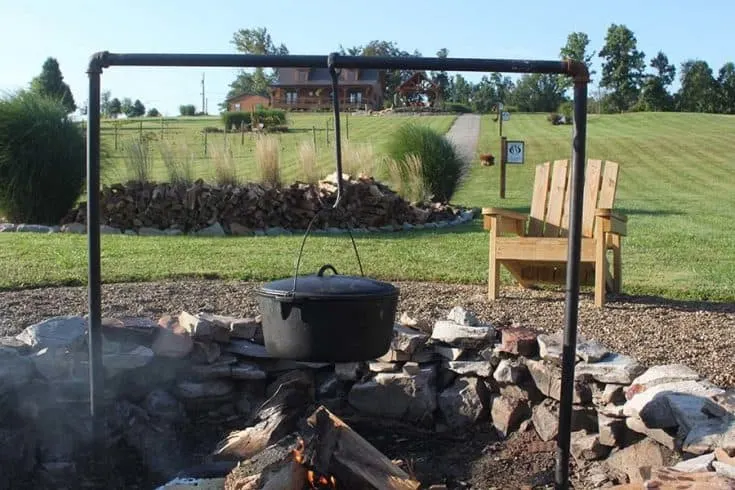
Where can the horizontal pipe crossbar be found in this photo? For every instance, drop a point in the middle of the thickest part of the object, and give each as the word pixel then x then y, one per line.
pixel 106 59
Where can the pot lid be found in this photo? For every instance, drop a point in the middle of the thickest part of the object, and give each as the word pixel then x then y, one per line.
pixel 328 285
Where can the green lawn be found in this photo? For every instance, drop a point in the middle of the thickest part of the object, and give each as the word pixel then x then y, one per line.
pixel 302 127
pixel 675 184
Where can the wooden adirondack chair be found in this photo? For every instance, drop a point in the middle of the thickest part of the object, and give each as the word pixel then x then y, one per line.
pixel 538 251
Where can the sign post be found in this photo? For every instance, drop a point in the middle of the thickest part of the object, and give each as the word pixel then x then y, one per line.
pixel 511 152
pixel 503 159
pixel 501 118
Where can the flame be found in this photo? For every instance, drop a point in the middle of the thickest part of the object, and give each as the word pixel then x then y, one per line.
pixel 315 482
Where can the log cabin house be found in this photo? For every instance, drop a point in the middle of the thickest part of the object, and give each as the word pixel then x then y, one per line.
pixel 311 89
pixel 246 102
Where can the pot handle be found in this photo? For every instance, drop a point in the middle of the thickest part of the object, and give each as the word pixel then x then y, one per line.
pixel 321 271
pixel 324 268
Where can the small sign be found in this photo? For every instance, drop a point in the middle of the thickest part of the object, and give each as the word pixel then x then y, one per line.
pixel 506 116
pixel 514 151
pixel 500 106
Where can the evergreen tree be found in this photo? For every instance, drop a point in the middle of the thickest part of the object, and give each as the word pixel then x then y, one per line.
pixel 51 84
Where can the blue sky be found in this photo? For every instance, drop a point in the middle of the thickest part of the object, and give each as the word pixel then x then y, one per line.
pixel 72 30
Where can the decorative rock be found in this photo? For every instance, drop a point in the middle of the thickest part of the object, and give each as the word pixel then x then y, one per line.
pixel 460 316
pixel 507 413
pixel 478 368
pixel 348 371
pixel 614 368
pixel 147 231
pixel 695 465
pixel 24 228
pixel 172 340
pixel 656 375
pixel 612 393
pixel 408 321
pixel 706 435
pixel 724 469
pixel 463 403
pixel 214 229
pixel 519 341
pixel 245 328
pixel 450 353
pixel 659 435
pixel 246 371
pixel 7 227
pixel 611 430
pixel 547 378
pixel 510 371
pixel 160 404
pixel 210 388
pixel 458 335
pixel 669 404
pixel 411 368
pixel 129 329
pixel 425 354
pixel 53 362
pixel 725 403
pixel 545 418
pixel 587 447
pixel 15 369
pixel 109 230
pixel 122 361
pixel 246 348
pixel 394 356
pixel 206 326
pixel 240 230
pixel 637 461
pixel 78 228
pixel 550 348
pixel 173 232
pixel 383 367
pixel 397 395
pixel 407 339
pixel 60 331
pixel 205 352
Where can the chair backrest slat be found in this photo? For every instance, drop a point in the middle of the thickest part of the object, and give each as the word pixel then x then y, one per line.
pixel 591 191
pixel 538 200
pixel 557 195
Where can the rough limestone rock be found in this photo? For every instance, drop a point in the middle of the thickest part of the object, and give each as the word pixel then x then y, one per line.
pixel 666 438
pixel 478 368
pixel 550 348
pixel 15 370
pixel 458 335
pixel 694 465
pixel 172 339
pixel 612 431
pixel 545 418
pixel 637 460
pixel 547 377
pixel 117 362
pixel 212 230
pixel 724 469
pixel 384 367
pixel 519 341
pixel 205 326
pixel 613 368
pixel 348 371
pixel 245 328
pixel 586 446
pixel 407 339
pixel 461 316
pixel 463 402
pixel 507 413
pixel 510 371
pixel 707 435
pixel 449 353
pixel 204 389
pixel 397 395
pixel 668 404
pixel 667 373
pixel 60 331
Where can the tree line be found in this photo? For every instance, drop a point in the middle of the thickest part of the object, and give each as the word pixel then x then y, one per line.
pixel 629 80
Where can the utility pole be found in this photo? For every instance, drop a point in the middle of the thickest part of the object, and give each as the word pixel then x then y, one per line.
pixel 204 108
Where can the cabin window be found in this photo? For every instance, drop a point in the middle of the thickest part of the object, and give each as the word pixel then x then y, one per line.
pixel 355 97
pixel 237 106
pixel 291 97
pixel 302 75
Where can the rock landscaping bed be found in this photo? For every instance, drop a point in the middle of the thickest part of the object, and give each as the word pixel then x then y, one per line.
pixel 253 209
pixel 458 400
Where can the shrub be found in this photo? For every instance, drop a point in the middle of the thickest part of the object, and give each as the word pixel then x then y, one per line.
pixel 455 107
pixel 269 118
pixel 307 158
pixel 212 129
pixel 138 161
pixel 179 162
pixel 187 110
pixel 566 109
pixel 42 159
pixel 225 171
pixel 153 113
pixel 407 178
pixel 236 119
pixel 443 168
pixel 358 158
pixel 267 157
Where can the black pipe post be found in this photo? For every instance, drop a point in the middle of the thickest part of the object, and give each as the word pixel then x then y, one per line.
pixel 572 287
pixel 94 322
pixel 331 60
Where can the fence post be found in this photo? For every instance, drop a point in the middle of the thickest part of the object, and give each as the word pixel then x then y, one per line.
pixel 327 132
pixel 140 131
pixel 503 151
pixel 242 134
pixel 161 128
pixel 115 125
pixel 347 123
pixel 313 132
pixel 205 143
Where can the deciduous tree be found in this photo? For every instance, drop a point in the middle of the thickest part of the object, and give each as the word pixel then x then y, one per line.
pixel 726 88
pixel 698 91
pixel 654 95
pixel 576 49
pixel 115 108
pixel 622 70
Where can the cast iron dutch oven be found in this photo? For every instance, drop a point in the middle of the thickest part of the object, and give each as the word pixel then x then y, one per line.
pixel 327 317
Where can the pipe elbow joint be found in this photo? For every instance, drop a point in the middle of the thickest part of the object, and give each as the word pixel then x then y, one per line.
pixel 98 61
pixel 578 71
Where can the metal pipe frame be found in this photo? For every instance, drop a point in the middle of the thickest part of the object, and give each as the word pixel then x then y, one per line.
pixel 574 69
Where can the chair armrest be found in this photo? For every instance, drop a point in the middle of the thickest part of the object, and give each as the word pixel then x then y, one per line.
pixel 612 222
pixel 505 221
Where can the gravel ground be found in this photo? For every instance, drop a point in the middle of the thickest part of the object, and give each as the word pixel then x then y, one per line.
pixel 655 331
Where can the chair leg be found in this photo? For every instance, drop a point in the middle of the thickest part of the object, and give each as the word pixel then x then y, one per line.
pixel 493 283
pixel 617 264
pixel 600 269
